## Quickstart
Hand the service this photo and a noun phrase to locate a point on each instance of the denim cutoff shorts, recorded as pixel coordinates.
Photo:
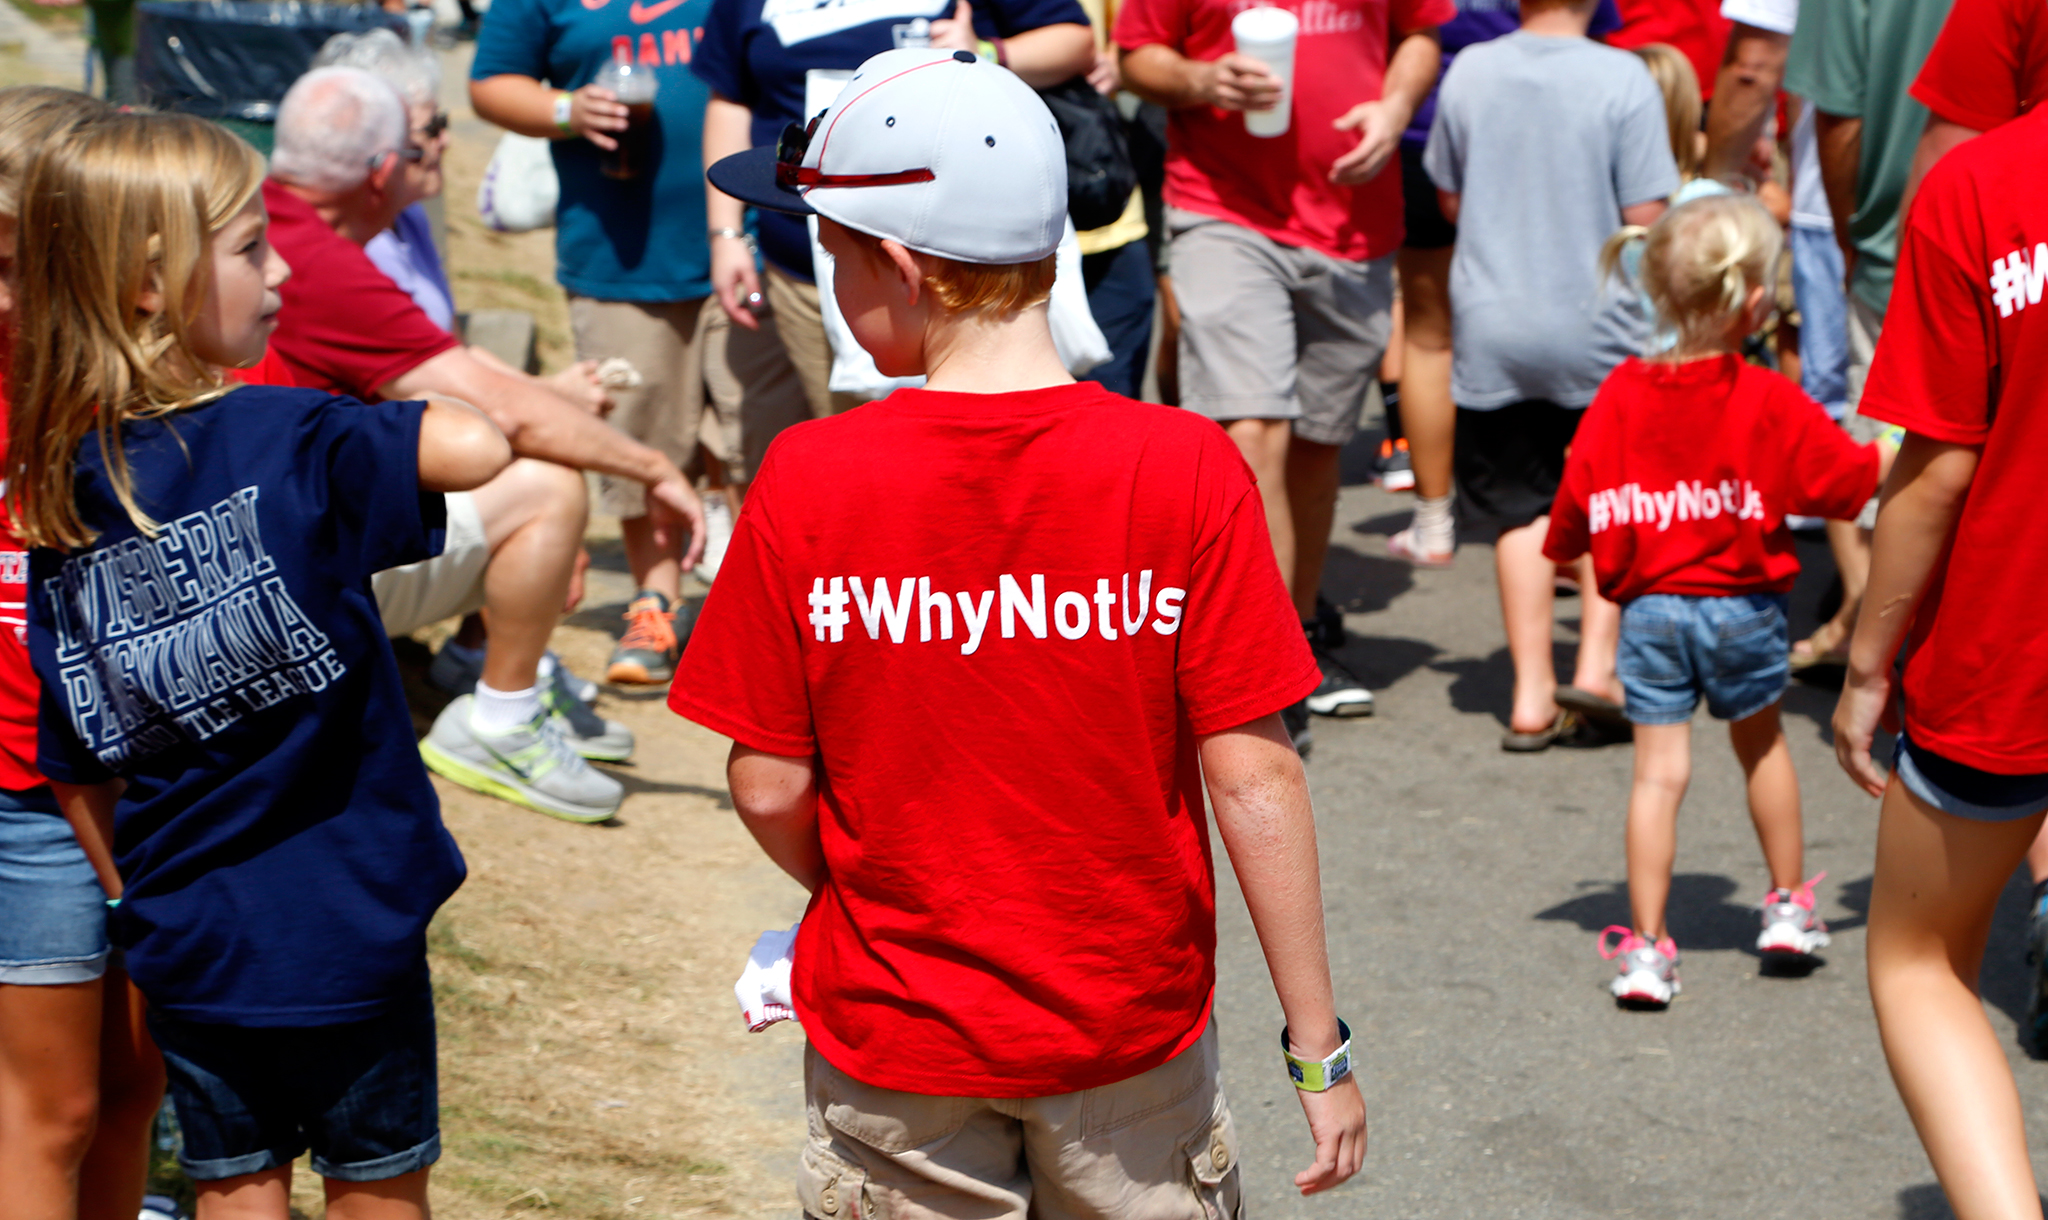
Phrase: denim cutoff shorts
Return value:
(1965, 792)
(1675, 648)
(363, 1096)
(54, 929)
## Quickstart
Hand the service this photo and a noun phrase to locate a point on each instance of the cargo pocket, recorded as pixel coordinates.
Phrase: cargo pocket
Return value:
(1212, 1162)
(830, 1189)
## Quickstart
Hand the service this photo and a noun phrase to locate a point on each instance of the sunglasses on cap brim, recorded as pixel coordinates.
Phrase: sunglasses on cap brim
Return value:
(791, 173)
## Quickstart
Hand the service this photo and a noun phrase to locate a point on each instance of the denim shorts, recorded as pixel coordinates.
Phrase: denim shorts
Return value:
(55, 927)
(364, 1096)
(1675, 648)
(1966, 792)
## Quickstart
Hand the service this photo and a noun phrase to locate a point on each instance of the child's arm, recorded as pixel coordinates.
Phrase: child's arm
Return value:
(1260, 794)
(1922, 499)
(460, 448)
(777, 799)
(90, 810)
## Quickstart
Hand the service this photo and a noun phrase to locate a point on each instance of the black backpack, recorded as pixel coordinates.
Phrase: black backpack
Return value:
(1100, 177)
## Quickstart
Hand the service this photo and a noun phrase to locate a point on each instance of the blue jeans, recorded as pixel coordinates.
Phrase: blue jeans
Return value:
(1121, 289)
(1676, 648)
(1966, 792)
(53, 914)
(363, 1096)
(1823, 318)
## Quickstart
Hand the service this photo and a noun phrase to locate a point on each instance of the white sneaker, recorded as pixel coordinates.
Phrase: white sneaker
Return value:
(717, 534)
(1648, 972)
(531, 765)
(1791, 929)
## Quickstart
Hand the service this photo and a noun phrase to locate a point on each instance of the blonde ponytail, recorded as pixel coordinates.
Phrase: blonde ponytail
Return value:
(1700, 261)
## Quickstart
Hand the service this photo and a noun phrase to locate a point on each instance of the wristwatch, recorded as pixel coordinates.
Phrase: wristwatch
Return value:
(563, 101)
(1318, 1075)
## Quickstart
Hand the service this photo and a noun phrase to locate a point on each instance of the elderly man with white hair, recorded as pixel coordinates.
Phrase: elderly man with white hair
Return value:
(347, 162)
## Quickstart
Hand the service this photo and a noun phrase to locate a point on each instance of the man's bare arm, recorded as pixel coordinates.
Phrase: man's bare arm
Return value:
(1936, 140)
(1165, 77)
(1260, 796)
(1840, 142)
(540, 424)
(1745, 94)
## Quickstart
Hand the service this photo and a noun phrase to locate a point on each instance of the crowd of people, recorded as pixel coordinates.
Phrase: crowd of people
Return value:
(1643, 287)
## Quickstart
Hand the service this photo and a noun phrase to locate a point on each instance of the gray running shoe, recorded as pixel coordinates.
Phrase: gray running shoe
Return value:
(587, 733)
(1791, 929)
(532, 766)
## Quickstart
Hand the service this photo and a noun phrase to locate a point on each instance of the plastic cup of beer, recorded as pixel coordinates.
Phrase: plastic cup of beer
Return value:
(1267, 34)
(634, 86)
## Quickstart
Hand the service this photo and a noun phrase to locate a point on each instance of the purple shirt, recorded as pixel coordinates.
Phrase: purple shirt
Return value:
(1483, 21)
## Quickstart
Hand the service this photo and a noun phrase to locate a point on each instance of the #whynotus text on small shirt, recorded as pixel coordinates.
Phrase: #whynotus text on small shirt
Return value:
(1109, 611)
(179, 636)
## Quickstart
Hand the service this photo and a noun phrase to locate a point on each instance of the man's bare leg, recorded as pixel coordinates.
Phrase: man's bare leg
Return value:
(1265, 444)
(534, 514)
(1312, 478)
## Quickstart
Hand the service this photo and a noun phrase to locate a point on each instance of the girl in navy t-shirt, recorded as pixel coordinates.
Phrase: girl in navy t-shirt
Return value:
(219, 699)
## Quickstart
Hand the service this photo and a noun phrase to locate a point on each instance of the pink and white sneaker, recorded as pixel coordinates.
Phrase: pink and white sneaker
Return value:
(1791, 929)
(1648, 970)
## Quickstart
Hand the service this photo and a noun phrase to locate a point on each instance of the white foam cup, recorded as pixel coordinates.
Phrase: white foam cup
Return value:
(1267, 34)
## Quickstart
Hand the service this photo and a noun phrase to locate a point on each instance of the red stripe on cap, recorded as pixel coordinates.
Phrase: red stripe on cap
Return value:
(841, 110)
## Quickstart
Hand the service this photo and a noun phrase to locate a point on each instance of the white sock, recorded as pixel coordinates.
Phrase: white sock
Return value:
(499, 711)
(1436, 531)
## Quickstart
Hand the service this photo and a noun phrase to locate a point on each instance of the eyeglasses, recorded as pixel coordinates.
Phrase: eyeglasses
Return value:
(408, 153)
(436, 125)
(791, 173)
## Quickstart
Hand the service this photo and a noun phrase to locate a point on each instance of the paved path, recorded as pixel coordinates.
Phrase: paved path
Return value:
(1465, 887)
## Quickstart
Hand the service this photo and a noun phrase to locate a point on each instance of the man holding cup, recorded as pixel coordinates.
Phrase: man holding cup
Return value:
(1284, 204)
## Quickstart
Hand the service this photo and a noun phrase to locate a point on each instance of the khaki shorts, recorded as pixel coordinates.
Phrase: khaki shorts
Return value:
(1864, 325)
(448, 585)
(754, 390)
(1277, 332)
(664, 341)
(802, 325)
(1159, 1146)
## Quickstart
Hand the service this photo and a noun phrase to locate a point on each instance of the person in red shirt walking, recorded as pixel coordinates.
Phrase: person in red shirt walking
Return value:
(1283, 250)
(1678, 484)
(1955, 578)
(977, 729)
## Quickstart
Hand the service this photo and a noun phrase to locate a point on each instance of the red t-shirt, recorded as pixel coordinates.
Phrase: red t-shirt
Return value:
(1695, 27)
(1281, 186)
(1964, 359)
(1680, 477)
(19, 690)
(345, 326)
(1988, 66)
(1019, 898)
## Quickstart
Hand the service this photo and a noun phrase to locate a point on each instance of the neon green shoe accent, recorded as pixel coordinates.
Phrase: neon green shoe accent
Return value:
(455, 770)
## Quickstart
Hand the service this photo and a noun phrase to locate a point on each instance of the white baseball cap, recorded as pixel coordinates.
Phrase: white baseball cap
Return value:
(939, 150)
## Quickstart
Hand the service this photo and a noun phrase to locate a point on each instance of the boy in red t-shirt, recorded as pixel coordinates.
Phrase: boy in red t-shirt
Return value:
(977, 727)
(1678, 483)
(1955, 585)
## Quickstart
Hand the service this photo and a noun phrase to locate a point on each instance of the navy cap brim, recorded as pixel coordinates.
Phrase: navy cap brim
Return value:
(750, 177)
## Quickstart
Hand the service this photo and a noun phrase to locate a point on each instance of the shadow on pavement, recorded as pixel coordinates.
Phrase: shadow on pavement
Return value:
(1700, 913)
(1364, 584)
(1926, 1202)
(1380, 660)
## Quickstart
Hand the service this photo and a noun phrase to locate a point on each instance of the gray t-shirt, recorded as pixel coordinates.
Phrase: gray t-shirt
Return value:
(1544, 140)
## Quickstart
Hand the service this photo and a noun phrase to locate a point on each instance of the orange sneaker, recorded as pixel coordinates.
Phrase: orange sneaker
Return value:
(646, 654)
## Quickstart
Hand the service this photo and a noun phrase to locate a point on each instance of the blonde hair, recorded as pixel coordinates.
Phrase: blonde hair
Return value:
(29, 115)
(1700, 261)
(958, 287)
(118, 205)
(1680, 86)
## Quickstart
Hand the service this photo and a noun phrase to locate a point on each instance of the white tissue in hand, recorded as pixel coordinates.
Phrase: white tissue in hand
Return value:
(763, 989)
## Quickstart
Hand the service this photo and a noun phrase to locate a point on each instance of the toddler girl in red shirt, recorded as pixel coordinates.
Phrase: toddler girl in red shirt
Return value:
(1678, 484)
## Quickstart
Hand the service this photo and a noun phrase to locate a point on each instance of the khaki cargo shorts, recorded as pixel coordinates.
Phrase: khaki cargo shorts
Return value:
(1159, 1146)
(1277, 332)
